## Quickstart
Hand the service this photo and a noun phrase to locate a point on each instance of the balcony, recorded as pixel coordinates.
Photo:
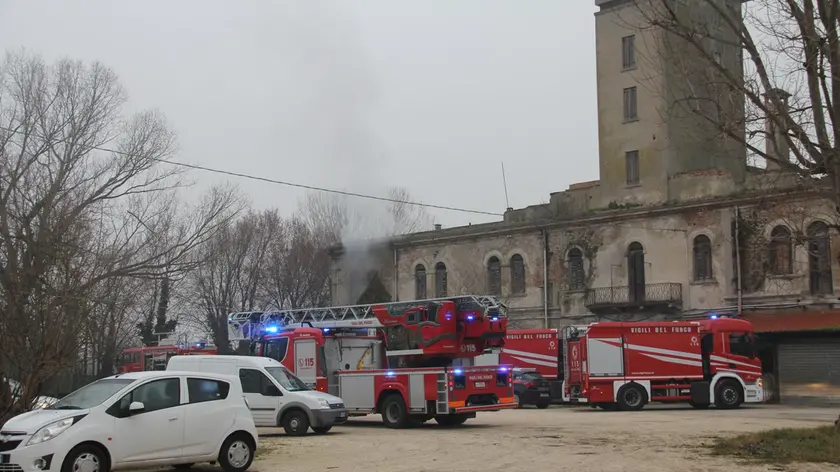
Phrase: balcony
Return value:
(663, 298)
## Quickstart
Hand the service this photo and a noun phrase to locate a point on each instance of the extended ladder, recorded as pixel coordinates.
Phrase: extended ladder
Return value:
(252, 324)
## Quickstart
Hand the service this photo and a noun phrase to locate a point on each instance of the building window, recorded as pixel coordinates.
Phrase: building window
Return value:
(494, 276)
(702, 258)
(420, 282)
(577, 277)
(631, 161)
(630, 112)
(517, 274)
(780, 251)
(440, 280)
(819, 259)
(628, 52)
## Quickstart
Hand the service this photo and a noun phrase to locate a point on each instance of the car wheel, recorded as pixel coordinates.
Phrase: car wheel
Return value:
(516, 400)
(237, 453)
(321, 429)
(394, 414)
(631, 397)
(542, 406)
(295, 423)
(728, 395)
(86, 458)
(183, 466)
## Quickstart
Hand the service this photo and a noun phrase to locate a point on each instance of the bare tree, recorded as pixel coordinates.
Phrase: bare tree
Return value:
(229, 272)
(764, 74)
(73, 214)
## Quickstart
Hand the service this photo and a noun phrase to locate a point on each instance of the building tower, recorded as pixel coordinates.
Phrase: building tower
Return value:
(660, 109)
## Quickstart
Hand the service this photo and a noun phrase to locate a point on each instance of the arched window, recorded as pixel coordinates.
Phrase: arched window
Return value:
(517, 274)
(636, 272)
(440, 280)
(819, 259)
(494, 276)
(577, 276)
(780, 252)
(702, 258)
(420, 282)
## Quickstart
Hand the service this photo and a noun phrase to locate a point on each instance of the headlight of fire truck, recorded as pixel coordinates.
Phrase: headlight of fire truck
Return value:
(759, 383)
(323, 403)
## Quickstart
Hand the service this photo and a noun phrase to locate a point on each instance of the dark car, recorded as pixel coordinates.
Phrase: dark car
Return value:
(531, 388)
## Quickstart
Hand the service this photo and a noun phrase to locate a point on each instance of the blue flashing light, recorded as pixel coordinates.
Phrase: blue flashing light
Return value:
(271, 329)
(326, 330)
(447, 316)
(470, 317)
(495, 318)
(458, 372)
(390, 373)
(503, 369)
(713, 316)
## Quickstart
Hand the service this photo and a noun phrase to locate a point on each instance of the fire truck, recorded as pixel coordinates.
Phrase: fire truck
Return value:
(408, 361)
(139, 359)
(532, 350)
(624, 366)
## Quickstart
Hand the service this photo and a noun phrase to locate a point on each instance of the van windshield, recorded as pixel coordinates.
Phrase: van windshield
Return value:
(287, 379)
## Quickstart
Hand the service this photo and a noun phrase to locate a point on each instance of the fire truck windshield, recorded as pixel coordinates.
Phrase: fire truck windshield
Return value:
(91, 395)
(287, 379)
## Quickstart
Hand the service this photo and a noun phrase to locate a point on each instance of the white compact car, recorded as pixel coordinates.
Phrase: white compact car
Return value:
(276, 397)
(42, 401)
(135, 420)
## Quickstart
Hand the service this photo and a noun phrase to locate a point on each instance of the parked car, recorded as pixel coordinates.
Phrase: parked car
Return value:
(277, 398)
(531, 388)
(42, 401)
(136, 420)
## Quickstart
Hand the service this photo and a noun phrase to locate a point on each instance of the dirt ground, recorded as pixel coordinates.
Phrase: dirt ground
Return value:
(557, 439)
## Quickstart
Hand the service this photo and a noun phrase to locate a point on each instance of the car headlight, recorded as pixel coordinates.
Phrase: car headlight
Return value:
(323, 403)
(52, 430)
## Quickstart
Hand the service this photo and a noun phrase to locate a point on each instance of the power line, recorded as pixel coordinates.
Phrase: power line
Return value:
(281, 182)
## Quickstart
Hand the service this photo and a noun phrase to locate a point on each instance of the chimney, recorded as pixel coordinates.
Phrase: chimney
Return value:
(774, 140)
(438, 226)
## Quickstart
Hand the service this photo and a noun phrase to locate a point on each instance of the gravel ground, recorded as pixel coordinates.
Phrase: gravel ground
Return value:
(557, 439)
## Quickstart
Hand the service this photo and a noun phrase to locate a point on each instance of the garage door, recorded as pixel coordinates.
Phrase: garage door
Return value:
(809, 371)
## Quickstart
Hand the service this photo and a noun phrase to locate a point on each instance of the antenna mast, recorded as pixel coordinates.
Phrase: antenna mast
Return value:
(504, 182)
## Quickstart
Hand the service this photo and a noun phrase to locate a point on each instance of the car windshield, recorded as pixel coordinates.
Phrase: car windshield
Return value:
(287, 379)
(531, 376)
(91, 395)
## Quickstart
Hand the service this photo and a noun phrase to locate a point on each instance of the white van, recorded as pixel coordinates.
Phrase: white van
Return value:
(275, 396)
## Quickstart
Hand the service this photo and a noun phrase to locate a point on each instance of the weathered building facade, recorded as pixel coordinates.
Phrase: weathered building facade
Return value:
(677, 226)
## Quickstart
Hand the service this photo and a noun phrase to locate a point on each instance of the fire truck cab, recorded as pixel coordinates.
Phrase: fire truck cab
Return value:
(408, 361)
(624, 366)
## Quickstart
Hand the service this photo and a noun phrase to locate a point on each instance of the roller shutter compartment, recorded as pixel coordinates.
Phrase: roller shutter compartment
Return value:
(809, 371)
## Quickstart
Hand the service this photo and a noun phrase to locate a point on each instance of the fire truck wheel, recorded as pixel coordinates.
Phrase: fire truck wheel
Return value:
(321, 429)
(631, 397)
(295, 423)
(542, 406)
(394, 413)
(450, 420)
(728, 395)
(516, 400)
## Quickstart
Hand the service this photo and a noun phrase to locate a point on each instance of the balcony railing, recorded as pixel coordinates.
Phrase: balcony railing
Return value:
(663, 296)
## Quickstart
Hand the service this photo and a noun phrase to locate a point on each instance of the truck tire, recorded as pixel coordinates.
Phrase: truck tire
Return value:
(295, 423)
(542, 406)
(450, 420)
(394, 412)
(728, 395)
(631, 397)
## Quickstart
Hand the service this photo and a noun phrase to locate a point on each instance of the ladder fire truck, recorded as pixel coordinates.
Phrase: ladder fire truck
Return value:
(408, 361)
(614, 365)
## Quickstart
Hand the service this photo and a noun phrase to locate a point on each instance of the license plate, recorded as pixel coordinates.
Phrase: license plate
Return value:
(4, 458)
(480, 385)
(543, 395)
(342, 414)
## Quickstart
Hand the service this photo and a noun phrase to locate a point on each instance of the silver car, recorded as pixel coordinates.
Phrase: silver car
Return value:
(41, 401)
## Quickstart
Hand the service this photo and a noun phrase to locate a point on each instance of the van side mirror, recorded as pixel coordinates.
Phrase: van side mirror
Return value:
(136, 407)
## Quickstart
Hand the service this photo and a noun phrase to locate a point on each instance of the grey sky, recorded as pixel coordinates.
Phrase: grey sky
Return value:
(358, 94)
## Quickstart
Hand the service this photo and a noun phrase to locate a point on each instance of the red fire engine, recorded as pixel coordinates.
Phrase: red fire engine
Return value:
(627, 365)
(534, 350)
(139, 359)
(409, 361)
